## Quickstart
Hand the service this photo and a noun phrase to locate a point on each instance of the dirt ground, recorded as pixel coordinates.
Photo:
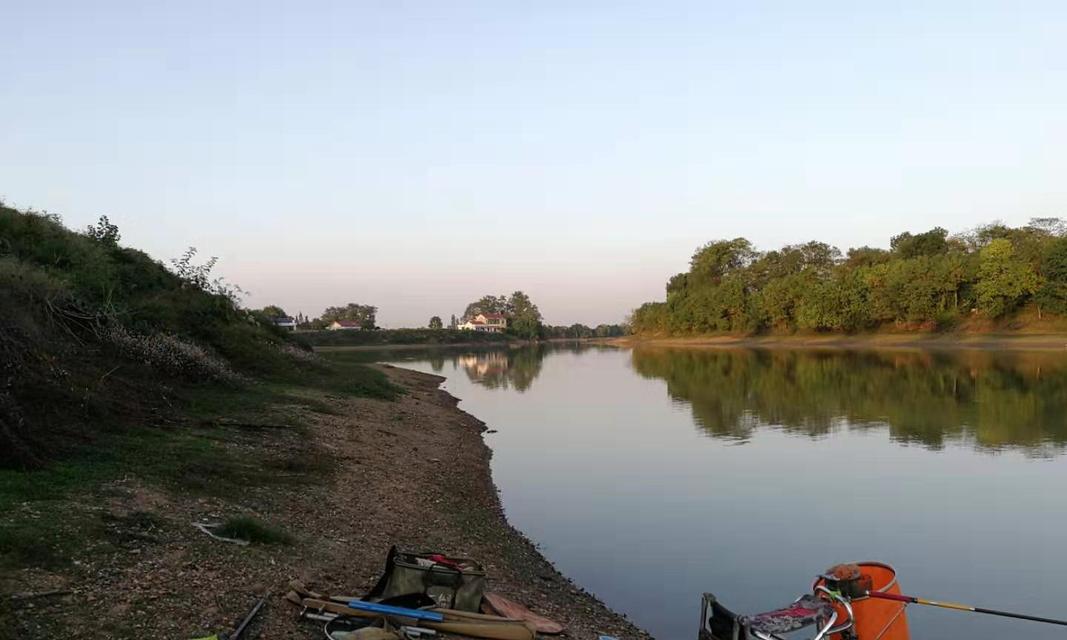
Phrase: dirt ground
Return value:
(412, 472)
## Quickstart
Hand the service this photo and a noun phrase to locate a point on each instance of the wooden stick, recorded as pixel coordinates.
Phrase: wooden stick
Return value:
(19, 597)
(499, 629)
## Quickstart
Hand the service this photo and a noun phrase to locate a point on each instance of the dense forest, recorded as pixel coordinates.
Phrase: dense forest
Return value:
(925, 281)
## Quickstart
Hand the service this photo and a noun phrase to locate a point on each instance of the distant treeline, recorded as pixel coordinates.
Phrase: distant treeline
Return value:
(400, 336)
(449, 336)
(582, 331)
(927, 281)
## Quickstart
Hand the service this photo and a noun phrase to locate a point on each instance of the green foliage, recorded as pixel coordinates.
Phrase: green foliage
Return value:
(581, 331)
(486, 304)
(931, 243)
(525, 317)
(364, 314)
(273, 311)
(835, 305)
(104, 232)
(1003, 281)
(1053, 292)
(92, 333)
(714, 260)
(650, 318)
(927, 280)
(356, 379)
(436, 323)
(198, 276)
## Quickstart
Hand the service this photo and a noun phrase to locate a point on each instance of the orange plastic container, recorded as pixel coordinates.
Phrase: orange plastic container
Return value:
(875, 619)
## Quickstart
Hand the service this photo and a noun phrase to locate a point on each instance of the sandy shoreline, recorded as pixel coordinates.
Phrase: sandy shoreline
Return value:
(413, 472)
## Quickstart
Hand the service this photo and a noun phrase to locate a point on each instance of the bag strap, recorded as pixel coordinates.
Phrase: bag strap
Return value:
(378, 589)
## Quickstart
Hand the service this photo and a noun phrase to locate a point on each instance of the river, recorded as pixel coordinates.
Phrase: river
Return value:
(650, 476)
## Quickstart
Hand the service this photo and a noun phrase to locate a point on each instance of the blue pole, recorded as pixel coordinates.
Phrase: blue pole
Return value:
(389, 610)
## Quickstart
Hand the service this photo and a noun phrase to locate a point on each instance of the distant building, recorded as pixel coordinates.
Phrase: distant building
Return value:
(486, 323)
(285, 322)
(344, 325)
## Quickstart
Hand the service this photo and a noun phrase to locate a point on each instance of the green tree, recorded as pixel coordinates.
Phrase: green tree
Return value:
(1052, 295)
(364, 314)
(579, 331)
(818, 257)
(866, 257)
(840, 304)
(931, 243)
(651, 317)
(435, 323)
(273, 311)
(716, 259)
(486, 304)
(525, 327)
(609, 330)
(780, 298)
(104, 232)
(525, 317)
(1003, 282)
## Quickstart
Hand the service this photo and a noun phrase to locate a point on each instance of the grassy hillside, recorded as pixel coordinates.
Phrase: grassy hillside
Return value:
(97, 339)
(117, 371)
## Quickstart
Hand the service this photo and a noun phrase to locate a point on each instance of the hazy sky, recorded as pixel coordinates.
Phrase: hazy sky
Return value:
(415, 155)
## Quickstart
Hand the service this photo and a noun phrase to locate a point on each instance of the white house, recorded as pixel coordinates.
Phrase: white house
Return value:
(344, 325)
(285, 322)
(485, 322)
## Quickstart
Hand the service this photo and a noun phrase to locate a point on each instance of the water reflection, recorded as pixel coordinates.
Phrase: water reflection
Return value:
(992, 400)
(514, 369)
(895, 455)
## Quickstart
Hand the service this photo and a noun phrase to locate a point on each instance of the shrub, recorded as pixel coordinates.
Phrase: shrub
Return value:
(172, 355)
(946, 321)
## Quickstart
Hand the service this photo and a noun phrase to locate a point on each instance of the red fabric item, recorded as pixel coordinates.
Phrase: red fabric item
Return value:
(440, 559)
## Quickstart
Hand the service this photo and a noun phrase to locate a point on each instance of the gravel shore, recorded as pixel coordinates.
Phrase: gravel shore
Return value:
(413, 472)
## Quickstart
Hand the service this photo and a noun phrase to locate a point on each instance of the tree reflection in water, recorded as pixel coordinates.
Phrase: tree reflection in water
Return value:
(993, 400)
(514, 368)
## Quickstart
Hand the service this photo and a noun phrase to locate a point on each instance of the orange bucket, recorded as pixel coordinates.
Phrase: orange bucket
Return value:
(873, 619)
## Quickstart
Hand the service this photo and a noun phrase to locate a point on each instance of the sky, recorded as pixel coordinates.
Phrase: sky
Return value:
(417, 155)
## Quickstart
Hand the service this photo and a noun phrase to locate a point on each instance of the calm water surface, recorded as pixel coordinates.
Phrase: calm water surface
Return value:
(651, 476)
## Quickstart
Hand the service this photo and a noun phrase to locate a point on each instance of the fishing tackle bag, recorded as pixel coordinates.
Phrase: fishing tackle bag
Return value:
(452, 583)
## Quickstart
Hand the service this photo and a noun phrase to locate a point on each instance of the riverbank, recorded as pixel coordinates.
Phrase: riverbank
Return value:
(389, 338)
(989, 342)
(418, 347)
(371, 472)
(502, 344)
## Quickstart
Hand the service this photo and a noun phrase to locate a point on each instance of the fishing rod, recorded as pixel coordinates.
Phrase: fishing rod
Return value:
(962, 607)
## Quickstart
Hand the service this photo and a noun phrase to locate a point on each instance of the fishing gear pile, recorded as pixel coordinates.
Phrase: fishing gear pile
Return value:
(419, 595)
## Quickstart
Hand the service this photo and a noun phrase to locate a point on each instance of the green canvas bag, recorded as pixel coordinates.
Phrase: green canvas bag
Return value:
(452, 583)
